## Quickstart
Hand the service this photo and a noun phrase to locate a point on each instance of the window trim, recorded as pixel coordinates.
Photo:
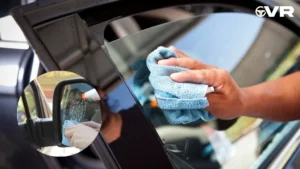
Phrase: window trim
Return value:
(38, 104)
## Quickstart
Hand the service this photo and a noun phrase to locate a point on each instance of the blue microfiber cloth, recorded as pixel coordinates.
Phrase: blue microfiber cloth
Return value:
(65, 141)
(182, 103)
(140, 78)
(142, 72)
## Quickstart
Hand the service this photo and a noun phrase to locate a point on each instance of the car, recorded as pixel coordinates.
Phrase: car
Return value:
(107, 42)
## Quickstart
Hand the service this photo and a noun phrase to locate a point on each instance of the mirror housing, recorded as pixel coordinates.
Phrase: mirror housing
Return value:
(71, 103)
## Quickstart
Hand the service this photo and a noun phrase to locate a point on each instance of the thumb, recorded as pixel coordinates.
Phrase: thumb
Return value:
(211, 77)
(69, 133)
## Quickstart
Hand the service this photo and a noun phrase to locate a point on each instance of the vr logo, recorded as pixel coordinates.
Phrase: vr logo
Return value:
(261, 11)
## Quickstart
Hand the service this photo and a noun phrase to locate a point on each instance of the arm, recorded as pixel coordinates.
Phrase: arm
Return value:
(277, 100)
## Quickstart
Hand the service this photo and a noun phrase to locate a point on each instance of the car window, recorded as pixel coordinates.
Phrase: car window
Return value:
(129, 135)
(252, 49)
(30, 100)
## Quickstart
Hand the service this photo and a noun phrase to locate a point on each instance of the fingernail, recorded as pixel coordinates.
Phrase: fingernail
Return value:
(172, 47)
(162, 62)
(174, 75)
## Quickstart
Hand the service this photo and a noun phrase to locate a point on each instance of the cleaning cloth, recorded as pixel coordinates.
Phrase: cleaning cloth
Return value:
(65, 141)
(182, 103)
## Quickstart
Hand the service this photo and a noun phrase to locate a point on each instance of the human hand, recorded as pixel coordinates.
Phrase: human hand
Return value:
(80, 135)
(228, 99)
(93, 125)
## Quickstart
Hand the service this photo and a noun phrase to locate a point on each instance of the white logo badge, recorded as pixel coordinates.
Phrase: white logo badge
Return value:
(261, 11)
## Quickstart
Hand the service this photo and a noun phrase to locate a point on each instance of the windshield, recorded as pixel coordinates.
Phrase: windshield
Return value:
(252, 49)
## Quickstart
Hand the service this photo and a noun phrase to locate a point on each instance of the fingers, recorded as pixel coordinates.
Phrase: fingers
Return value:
(73, 139)
(82, 139)
(71, 127)
(185, 62)
(79, 142)
(69, 133)
(93, 125)
(169, 62)
(211, 77)
(213, 99)
(70, 130)
(81, 136)
(179, 52)
(89, 123)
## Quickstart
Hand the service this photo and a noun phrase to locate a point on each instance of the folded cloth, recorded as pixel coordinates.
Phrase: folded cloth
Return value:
(182, 103)
(142, 72)
(140, 79)
(65, 141)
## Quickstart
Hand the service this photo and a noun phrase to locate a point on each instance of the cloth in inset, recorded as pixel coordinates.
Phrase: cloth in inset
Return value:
(65, 141)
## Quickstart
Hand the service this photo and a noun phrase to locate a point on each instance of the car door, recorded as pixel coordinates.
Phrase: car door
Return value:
(15, 68)
(70, 35)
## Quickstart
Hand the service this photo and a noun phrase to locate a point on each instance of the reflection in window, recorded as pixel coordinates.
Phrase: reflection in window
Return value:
(212, 41)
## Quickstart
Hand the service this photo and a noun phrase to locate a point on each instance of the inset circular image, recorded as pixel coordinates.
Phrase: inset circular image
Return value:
(59, 113)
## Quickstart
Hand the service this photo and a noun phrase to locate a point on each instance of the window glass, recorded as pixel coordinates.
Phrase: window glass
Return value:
(126, 129)
(21, 116)
(252, 49)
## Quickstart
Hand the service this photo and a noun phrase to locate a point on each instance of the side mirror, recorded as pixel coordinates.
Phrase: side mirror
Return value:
(74, 101)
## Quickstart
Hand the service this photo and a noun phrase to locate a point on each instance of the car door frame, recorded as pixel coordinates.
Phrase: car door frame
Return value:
(94, 12)
(12, 143)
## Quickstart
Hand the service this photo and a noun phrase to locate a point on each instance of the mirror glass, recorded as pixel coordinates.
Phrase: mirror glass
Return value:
(80, 103)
